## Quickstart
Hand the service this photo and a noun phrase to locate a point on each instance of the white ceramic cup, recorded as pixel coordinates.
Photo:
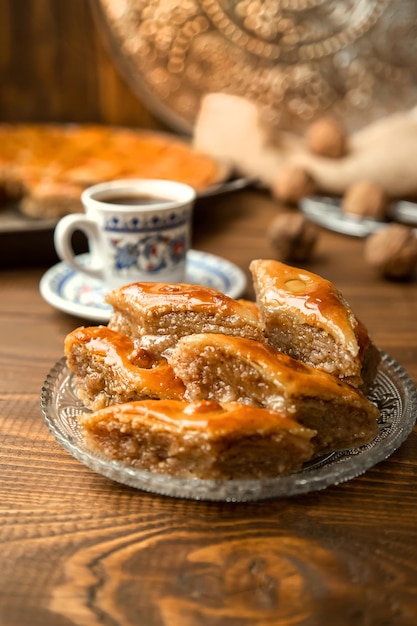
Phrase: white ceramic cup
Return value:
(137, 230)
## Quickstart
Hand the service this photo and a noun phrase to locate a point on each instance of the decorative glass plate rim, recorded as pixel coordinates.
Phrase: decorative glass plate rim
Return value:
(398, 416)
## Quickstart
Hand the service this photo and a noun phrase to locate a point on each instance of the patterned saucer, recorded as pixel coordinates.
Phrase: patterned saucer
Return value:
(79, 295)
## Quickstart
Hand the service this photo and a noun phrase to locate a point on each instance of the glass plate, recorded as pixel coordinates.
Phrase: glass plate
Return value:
(393, 392)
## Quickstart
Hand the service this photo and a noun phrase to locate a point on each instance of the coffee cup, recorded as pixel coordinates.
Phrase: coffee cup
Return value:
(137, 230)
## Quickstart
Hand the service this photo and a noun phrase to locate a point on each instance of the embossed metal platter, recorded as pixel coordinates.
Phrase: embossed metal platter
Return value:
(393, 392)
(297, 59)
(83, 296)
(13, 221)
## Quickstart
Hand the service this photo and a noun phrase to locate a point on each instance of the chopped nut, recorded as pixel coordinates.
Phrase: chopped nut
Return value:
(292, 236)
(327, 137)
(365, 199)
(292, 184)
(392, 251)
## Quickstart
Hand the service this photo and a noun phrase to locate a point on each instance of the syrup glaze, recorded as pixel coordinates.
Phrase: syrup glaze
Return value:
(314, 298)
(166, 297)
(212, 418)
(291, 377)
(120, 354)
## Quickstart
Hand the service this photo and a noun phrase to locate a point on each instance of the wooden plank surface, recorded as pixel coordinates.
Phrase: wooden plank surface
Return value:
(79, 550)
(76, 548)
(55, 66)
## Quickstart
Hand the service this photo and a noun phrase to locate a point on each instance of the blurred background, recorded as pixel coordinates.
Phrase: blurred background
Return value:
(148, 63)
(55, 66)
(63, 60)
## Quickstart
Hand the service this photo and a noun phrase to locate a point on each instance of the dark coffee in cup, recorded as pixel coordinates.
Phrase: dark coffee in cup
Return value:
(133, 199)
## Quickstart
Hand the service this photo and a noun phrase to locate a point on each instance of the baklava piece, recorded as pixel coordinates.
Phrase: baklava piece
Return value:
(306, 317)
(232, 369)
(109, 369)
(200, 440)
(158, 314)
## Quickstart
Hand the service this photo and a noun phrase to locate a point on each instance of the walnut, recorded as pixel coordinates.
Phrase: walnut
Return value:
(292, 184)
(365, 199)
(292, 236)
(392, 251)
(327, 137)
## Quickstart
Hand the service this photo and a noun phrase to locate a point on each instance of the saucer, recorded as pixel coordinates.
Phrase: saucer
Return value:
(82, 296)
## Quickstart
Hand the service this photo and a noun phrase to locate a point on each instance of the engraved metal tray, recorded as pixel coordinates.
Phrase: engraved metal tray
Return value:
(393, 392)
(296, 59)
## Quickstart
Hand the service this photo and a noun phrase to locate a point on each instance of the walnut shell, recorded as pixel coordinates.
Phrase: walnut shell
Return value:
(392, 251)
(365, 199)
(292, 184)
(292, 236)
(327, 137)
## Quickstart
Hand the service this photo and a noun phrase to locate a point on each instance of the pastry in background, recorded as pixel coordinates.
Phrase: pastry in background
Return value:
(45, 167)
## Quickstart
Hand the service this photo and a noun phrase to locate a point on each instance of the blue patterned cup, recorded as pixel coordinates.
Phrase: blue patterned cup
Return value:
(137, 230)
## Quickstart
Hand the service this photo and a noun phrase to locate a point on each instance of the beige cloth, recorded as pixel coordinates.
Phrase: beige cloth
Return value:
(385, 152)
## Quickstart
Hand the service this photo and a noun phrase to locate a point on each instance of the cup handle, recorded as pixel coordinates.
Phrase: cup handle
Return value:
(64, 230)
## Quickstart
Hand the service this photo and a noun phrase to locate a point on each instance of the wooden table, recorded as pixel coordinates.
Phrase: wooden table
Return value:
(78, 549)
